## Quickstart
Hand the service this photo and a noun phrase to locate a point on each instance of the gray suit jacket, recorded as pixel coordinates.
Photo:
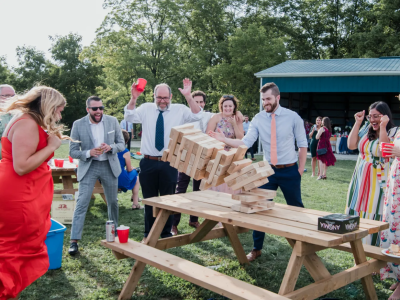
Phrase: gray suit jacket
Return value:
(112, 136)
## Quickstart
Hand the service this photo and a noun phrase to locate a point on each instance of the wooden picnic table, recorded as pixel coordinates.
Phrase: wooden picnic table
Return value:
(67, 176)
(297, 225)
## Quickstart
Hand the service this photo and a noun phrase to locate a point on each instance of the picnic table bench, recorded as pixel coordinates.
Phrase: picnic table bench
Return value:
(297, 225)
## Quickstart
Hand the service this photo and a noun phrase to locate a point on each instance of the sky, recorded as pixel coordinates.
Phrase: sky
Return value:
(31, 22)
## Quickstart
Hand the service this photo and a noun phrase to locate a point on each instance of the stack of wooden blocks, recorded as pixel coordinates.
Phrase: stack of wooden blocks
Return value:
(202, 157)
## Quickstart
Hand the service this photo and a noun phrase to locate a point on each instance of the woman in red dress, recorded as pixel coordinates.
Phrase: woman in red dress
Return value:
(26, 187)
(327, 159)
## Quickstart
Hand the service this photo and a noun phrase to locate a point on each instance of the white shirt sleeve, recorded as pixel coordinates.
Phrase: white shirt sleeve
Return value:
(189, 116)
(134, 115)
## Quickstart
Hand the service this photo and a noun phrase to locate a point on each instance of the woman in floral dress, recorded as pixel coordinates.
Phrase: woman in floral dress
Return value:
(368, 184)
(391, 214)
(225, 122)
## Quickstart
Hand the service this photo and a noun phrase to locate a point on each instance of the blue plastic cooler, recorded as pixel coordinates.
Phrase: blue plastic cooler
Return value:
(54, 242)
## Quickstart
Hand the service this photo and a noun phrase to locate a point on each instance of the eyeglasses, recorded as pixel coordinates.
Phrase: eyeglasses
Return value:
(7, 96)
(228, 96)
(162, 98)
(96, 108)
(369, 117)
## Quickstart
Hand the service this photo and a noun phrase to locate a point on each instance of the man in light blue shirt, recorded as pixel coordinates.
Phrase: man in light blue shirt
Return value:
(289, 128)
(128, 126)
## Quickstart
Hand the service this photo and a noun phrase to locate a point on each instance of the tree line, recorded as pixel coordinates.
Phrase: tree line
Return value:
(219, 44)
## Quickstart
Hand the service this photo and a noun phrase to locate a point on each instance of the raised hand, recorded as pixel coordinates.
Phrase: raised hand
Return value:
(359, 116)
(187, 88)
(134, 92)
(384, 121)
(217, 135)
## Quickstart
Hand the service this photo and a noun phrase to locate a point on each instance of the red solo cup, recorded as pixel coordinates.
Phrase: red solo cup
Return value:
(57, 163)
(123, 233)
(61, 163)
(385, 153)
(141, 84)
(71, 160)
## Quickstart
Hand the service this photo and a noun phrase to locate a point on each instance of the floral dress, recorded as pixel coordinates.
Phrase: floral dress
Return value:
(391, 214)
(368, 184)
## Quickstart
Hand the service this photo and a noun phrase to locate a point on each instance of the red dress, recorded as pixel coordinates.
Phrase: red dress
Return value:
(324, 142)
(25, 203)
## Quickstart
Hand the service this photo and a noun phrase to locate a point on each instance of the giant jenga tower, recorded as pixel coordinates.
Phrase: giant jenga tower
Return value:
(202, 157)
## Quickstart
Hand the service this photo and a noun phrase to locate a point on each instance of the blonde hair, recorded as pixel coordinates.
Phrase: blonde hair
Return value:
(40, 103)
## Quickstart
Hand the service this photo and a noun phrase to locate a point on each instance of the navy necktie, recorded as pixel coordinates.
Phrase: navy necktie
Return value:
(160, 132)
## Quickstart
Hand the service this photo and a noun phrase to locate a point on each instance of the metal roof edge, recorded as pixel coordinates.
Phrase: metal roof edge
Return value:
(328, 74)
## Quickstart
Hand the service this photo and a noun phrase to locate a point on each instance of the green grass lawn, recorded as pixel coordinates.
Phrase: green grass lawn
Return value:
(96, 274)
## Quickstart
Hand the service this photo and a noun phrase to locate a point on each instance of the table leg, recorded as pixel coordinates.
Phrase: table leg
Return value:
(236, 244)
(138, 267)
(292, 273)
(313, 264)
(67, 182)
(202, 231)
(360, 257)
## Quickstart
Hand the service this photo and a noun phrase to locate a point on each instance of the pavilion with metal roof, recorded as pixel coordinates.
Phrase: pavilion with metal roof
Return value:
(337, 88)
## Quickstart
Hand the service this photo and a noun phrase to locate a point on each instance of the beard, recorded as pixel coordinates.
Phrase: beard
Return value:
(162, 109)
(94, 118)
(270, 107)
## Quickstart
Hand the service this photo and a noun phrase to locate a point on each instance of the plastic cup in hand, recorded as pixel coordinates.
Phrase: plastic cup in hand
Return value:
(123, 233)
(385, 153)
(141, 84)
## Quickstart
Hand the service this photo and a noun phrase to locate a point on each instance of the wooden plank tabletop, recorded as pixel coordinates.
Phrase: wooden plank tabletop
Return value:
(283, 220)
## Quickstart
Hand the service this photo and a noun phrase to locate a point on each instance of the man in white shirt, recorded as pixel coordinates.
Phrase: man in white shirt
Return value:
(128, 126)
(158, 178)
(100, 139)
(246, 125)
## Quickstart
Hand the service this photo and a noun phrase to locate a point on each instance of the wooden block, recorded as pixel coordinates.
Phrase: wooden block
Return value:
(248, 180)
(188, 155)
(187, 132)
(187, 139)
(215, 166)
(241, 172)
(199, 174)
(203, 162)
(165, 155)
(180, 166)
(192, 158)
(248, 198)
(210, 165)
(202, 142)
(176, 149)
(269, 194)
(264, 163)
(216, 150)
(173, 140)
(217, 180)
(172, 163)
(170, 144)
(188, 170)
(183, 155)
(204, 185)
(255, 184)
(238, 165)
(249, 209)
(221, 170)
(196, 161)
(227, 157)
(240, 153)
(184, 126)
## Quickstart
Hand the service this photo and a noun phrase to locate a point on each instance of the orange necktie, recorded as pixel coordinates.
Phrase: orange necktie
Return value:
(274, 153)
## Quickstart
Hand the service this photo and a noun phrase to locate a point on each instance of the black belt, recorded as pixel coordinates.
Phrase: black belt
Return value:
(283, 166)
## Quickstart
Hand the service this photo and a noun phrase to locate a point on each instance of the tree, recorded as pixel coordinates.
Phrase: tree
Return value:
(5, 72)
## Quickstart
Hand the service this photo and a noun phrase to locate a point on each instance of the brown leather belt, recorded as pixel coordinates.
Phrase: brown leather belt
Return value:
(153, 157)
(283, 166)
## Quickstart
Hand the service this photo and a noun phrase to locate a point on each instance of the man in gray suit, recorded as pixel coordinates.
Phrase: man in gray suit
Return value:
(99, 140)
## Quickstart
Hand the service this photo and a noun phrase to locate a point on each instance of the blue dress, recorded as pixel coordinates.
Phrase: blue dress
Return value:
(126, 181)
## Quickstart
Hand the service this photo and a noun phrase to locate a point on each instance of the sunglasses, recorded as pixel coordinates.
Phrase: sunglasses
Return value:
(96, 108)
(228, 96)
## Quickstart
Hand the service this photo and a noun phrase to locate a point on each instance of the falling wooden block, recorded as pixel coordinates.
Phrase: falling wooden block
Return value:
(165, 155)
(210, 165)
(238, 165)
(180, 166)
(199, 174)
(248, 180)
(221, 170)
(240, 153)
(183, 155)
(176, 149)
(269, 194)
(184, 132)
(255, 184)
(227, 157)
(203, 163)
(172, 163)
(216, 149)
(204, 185)
(241, 172)
(215, 166)
(217, 180)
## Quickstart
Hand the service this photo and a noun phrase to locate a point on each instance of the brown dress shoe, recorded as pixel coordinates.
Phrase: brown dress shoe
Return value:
(253, 255)
(174, 230)
(194, 224)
